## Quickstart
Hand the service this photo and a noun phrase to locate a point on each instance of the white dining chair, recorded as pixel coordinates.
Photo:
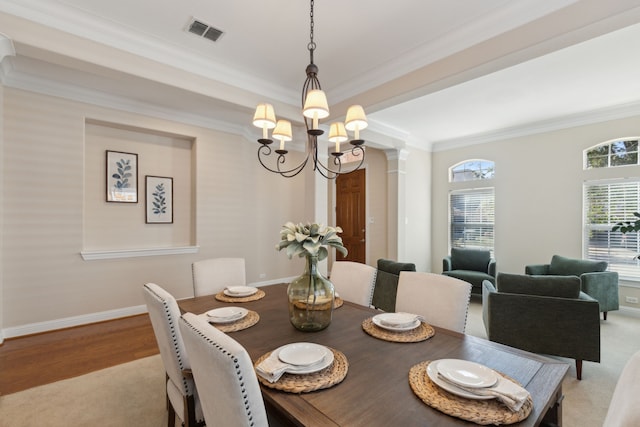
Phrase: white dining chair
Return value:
(182, 396)
(224, 374)
(353, 281)
(443, 301)
(211, 276)
(623, 409)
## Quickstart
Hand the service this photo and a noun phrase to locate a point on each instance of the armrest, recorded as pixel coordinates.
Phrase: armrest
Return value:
(446, 263)
(563, 327)
(602, 286)
(537, 269)
(492, 268)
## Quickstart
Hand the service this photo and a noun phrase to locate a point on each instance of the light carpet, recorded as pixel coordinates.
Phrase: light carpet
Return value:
(130, 394)
(133, 394)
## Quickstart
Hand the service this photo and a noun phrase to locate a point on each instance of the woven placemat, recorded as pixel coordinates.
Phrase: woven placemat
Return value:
(246, 322)
(483, 412)
(299, 383)
(220, 296)
(421, 333)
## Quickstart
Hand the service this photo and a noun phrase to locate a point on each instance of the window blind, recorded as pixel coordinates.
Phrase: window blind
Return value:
(472, 218)
(606, 204)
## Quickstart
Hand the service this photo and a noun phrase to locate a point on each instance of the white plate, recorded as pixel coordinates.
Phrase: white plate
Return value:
(385, 321)
(226, 314)
(239, 291)
(302, 353)
(467, 374)
(323, 363)
(432, 372)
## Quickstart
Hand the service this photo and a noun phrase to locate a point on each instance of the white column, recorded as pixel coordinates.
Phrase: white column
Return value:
(396, 204)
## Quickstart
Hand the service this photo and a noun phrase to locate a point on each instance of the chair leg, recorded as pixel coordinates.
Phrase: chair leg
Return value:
(171, 414)
(604, 314)
(190, 411)
(579, 369)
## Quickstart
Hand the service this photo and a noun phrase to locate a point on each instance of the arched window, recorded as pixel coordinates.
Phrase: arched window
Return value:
(617, 152)
(471, 210)
(471, 170)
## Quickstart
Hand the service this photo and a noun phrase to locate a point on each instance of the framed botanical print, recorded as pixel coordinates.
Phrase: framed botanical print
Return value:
(159, 199)
(122, 177)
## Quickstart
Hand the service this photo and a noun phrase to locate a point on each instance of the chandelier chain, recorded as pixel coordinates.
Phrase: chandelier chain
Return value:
(312, 45)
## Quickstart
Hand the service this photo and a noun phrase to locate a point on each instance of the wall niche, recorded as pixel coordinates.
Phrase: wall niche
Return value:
(119, 229)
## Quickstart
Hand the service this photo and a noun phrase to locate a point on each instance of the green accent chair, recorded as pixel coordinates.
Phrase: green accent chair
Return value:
(386, 284)
(471, 265)
(543, 314)
(595, 281)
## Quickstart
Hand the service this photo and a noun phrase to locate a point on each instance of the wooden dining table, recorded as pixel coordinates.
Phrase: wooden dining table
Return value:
(376, 389)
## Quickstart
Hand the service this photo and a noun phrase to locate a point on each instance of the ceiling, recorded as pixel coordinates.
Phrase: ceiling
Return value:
(430, 73)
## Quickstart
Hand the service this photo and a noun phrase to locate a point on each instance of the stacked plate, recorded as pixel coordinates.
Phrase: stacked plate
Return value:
(304, 357)
(397, 322)
(447, 373)
(239, 291)
(226, 314)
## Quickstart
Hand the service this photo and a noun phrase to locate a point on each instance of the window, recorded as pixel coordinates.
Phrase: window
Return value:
(607, 203)
(472, 214)
(619, 152)
(471, 170)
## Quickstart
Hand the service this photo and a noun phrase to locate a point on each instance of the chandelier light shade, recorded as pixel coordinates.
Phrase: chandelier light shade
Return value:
(314, 108)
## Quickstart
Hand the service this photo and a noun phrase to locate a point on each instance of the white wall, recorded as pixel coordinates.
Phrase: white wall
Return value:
(538, 189)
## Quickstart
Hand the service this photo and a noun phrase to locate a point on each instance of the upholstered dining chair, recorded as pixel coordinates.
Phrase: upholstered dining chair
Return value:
(442, 300)
(623, 409)
(182, 397)
(353, 281)
(224, 374)
(211, 276)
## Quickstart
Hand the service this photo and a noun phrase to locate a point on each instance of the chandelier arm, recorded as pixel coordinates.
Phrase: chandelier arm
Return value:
(265, 150)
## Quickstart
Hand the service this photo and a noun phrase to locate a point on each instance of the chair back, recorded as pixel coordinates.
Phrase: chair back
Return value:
(164, 314)
(442, 300)
(353, 281)
(211, 276)
(624, 410)
(224, 374)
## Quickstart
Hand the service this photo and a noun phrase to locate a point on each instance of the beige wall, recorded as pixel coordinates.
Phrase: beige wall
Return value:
(238, 206)
(538, 189)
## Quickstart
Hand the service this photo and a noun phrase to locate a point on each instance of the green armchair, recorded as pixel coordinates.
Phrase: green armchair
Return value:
(386, 284)
(471, 265)
(543, 314)
(594, 280)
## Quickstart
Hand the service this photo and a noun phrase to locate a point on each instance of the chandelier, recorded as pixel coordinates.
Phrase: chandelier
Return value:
(314, 108)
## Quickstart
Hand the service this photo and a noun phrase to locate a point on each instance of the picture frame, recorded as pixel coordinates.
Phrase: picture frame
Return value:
(159, 199)
(122, 177)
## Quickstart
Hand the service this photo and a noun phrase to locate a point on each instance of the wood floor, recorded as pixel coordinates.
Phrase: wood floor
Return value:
(34, 360)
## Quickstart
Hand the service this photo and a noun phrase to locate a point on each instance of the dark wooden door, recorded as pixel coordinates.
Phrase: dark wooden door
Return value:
(350, 214)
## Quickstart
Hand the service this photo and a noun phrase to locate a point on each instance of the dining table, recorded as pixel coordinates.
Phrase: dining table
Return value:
(376, 390)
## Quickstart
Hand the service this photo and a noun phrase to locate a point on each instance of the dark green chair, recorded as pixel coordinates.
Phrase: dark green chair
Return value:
(386, 284)
(543, 314)
(471, 265)
(595, 281)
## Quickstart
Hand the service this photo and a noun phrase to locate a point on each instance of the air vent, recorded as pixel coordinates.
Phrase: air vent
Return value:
(201, 29)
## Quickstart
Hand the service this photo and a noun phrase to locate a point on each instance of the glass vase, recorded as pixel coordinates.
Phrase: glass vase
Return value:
(310, 299)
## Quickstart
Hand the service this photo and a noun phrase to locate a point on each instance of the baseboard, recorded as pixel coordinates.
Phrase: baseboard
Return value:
(51, 325)
(35, 328)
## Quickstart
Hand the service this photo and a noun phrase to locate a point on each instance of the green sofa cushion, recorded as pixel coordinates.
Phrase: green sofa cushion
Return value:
(470, 259)
(562, 266)
(550, 286)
